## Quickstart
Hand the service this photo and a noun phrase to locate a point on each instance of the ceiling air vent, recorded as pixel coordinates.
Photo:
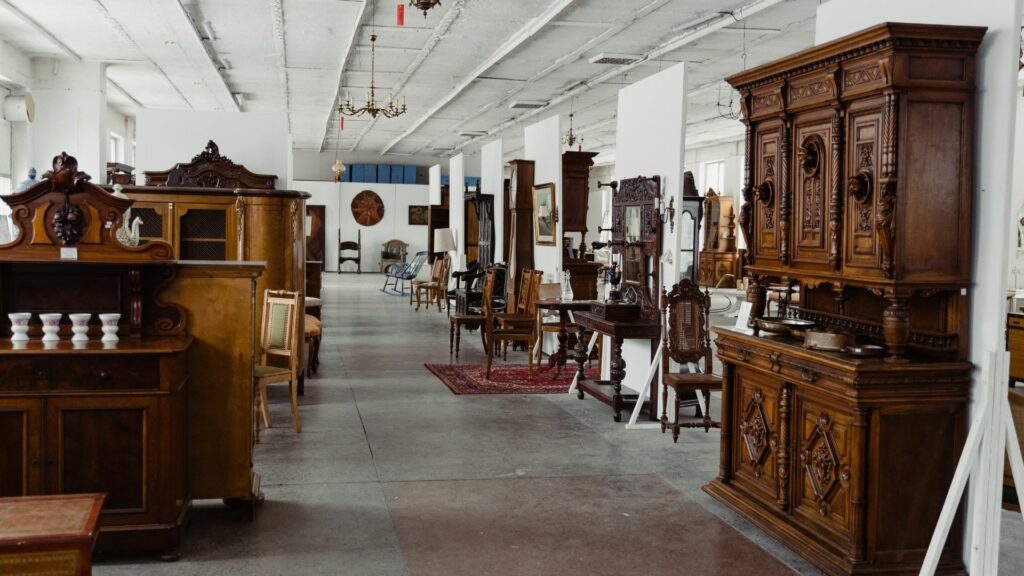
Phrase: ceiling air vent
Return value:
(528, 104)
(616, 59)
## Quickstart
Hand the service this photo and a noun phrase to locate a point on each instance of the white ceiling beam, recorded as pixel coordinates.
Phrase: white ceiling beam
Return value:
(435, 38)
(703, 29)
(523, 35)
(117, 87)
(42, 31)
(349, 49)
(558, 64)
(198, 36)
(280, 47)
(120, 31)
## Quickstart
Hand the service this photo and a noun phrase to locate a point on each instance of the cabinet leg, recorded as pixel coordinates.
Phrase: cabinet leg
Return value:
(171, 555)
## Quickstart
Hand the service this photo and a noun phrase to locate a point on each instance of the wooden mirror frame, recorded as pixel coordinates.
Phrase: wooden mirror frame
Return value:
(641, 282)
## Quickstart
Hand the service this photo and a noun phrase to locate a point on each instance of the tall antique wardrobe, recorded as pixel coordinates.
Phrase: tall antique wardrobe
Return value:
(859, 188)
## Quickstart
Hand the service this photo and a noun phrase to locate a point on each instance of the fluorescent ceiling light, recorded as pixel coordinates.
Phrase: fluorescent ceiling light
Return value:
(473, 133)
(528, 104)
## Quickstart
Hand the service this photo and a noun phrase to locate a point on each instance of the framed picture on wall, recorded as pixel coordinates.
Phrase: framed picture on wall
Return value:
(545, 215)
(418, 215)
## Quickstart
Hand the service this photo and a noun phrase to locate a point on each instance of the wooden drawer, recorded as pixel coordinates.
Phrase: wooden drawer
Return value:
(19, 375)
(100, 373)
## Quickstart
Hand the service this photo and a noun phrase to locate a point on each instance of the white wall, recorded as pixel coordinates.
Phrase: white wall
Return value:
(457, 208)
(1016, 256)
(654, 105)
(542, 144)
(994, 139)
(435, 185)
(71, 109)
(259, 140)
(337, 197)
(492, 181)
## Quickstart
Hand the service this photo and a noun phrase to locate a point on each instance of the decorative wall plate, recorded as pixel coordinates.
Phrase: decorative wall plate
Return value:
(367, 208)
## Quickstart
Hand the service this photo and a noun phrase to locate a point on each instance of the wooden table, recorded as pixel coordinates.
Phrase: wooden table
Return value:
(563, 307)
(51, 535)
(618, 332)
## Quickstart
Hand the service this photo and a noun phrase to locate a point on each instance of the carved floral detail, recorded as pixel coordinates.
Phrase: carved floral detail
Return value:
(754, 430)
(68, 222)
(821, 462)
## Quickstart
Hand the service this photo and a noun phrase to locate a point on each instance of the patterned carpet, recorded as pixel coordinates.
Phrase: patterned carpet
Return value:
(505, 378)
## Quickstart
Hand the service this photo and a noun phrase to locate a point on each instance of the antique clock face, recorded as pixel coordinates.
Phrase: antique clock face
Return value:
(367, 208)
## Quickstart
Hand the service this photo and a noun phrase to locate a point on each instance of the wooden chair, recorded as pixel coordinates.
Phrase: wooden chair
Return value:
(549, 324)
(393, 252)
(525, 312)
(279, 337)
(458, 321)
(350, 246)
(496, 331)
(436, 288)
(686, 340)
(314, 331)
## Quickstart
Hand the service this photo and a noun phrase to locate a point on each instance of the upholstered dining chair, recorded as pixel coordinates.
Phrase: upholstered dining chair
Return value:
(280, 337)
(686, 340)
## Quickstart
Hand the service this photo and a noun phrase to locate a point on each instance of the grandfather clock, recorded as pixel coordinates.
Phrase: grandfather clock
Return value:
(519, 201)
(690, 215)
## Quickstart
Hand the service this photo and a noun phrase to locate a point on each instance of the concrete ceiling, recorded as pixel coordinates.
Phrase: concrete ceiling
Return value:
(458, 68)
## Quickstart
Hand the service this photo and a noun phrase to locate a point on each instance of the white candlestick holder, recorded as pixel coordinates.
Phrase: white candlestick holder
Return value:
(80, 327)
(51, 326)
(19, 326)
(110, 326)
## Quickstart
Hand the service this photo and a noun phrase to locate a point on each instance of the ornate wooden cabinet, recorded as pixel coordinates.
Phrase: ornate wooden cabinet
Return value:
(519, 245)
(859, 189)
(718, 257)
(94, 416)
(479, 227)
(575, 205)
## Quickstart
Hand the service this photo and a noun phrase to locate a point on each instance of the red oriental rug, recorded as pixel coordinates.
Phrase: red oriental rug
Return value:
(505, 378)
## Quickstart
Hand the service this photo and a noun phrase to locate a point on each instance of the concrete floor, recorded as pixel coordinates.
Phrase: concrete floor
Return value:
(393, 474)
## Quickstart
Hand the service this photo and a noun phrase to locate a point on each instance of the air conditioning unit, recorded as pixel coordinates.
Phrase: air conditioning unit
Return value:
(20, 108)
(616, 59)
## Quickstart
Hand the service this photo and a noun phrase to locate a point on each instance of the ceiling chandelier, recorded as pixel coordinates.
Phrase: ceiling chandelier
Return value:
(390, 108)
(424, 5)
(570, 138)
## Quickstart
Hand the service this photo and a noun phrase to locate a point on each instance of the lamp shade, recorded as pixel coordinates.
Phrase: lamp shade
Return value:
(444, 241)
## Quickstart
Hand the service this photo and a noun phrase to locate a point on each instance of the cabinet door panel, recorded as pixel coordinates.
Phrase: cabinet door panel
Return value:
(156, 220)
(766, 179)
(205, 231)
(812, 187)
(107, 445)
(19, 447)
(824, 446)
(862, 159)
(756, 412)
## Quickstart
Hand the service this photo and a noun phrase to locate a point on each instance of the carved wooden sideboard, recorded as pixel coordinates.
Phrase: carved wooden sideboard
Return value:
(858, 188)
(718, 257)
(94, 417)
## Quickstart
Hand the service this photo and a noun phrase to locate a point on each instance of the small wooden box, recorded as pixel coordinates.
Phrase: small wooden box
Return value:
(51, 535)
(616, 312)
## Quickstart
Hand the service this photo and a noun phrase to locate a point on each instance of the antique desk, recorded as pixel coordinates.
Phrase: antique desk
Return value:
(617, 332)
(563, 307)
(51, 535)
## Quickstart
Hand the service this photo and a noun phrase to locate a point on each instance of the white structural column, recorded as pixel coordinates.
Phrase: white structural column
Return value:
(492, 181)
(650, 141)
(71, 114)
(993, 155)
(542, 144)
(457, 207)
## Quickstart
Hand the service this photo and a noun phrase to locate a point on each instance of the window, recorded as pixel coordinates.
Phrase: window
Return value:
(116, 148)
(713, 176)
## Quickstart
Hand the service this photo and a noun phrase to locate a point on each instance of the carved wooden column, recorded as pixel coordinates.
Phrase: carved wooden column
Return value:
(757, 296)
(581, 359)
(746, 209)
(896, 325)
(886, 224)
(783, 191)
(835, 210)
(857, 485)
(725, 449)
(617, 374)
(782, 447)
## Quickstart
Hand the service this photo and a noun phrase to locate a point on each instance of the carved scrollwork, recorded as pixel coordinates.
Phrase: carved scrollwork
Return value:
(821, 462)
(809, 155)
(755, 433)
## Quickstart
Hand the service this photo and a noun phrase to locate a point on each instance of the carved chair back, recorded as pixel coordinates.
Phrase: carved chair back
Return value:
(280, 334)
(687, 336)
(531, 305)
(487, 297)
(394, 250)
